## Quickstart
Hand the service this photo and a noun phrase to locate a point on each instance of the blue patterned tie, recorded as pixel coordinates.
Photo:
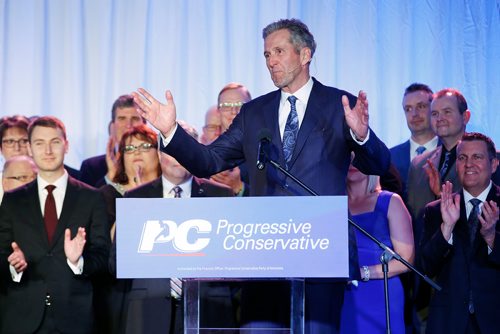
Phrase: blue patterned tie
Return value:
(444, 167)
(420, 150)
(291, 131)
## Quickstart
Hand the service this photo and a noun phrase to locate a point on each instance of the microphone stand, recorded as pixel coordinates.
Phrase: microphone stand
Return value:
(386, 256)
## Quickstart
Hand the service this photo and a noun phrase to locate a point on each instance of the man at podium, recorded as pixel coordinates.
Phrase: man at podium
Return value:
(313, 130)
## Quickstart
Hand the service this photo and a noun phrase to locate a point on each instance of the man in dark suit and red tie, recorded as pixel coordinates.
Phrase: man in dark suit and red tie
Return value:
(52, 241)
(460, 244)
(314, 129)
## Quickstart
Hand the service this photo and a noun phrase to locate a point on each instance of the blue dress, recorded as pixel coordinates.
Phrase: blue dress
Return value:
(364, 305)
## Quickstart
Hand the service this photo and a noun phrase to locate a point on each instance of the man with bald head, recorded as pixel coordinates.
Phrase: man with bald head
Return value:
(17, 171)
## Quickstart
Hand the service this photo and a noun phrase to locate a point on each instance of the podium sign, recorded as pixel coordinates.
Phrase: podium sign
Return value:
(241, 237)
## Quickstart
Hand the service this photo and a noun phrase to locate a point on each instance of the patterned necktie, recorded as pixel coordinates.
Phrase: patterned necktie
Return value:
(50, 212)
(175, 282)
(420, 150)
(473, 220)
(291, 131)
(177, 191)
(444, 167)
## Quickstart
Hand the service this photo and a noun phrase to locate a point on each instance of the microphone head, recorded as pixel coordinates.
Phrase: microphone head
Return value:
(264, 134)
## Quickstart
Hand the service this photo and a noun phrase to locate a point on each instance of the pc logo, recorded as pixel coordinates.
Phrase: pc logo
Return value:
(158, 232)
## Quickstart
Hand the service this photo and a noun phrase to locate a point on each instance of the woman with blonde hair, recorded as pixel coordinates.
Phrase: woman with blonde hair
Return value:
(384, 215)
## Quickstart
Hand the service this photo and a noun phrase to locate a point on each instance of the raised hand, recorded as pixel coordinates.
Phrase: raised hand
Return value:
(161, 116)
(111, 158)
(434, 177)
(73, 248)
(357, 118)
(450, 209)
(488, 219)
(17, 259)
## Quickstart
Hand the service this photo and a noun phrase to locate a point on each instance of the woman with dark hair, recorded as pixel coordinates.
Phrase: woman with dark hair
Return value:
(137, 163)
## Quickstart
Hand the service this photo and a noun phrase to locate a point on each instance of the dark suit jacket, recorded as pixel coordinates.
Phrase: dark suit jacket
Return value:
(21, 220)
(419, 192)
(145, 304)
(93, 170)
(400, 157)
(320, 159)
(459, 270)
(74, 173)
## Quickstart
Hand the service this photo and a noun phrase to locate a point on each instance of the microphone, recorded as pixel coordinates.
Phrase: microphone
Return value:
(264, 140)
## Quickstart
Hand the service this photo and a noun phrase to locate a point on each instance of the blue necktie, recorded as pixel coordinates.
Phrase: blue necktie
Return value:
(473, 223)
(420, 150)
(291, 131)
(444, 167)
(473, 220)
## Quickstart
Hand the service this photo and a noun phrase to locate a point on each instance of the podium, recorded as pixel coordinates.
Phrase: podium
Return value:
(194, 325)
(272, 239)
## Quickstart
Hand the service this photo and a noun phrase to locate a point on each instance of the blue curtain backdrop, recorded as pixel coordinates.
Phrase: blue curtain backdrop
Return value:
(72, 58)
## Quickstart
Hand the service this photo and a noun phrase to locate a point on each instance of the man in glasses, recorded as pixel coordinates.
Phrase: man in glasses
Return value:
(212, 127)
(13, 138)
(18, 171)
(229, 102)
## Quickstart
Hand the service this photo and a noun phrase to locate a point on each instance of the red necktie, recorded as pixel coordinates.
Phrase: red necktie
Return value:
(50, 213)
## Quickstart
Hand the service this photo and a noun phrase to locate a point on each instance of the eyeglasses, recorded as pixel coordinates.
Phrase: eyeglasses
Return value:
(21, 178)
(144, 147)
(211, 128)
(23, 142)
(230, 106)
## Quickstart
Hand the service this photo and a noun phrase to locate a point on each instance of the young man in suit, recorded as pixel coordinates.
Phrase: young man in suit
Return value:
(52, 240)
(460, 246)
(99, 170)
(417, 100)
(148, 305)
(319, 136)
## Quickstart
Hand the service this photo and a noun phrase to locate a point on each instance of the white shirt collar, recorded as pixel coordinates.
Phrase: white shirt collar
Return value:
(429, 146)
(168, 186)
(482, 197)
(61, 183)
(59, 192)
(302, 96)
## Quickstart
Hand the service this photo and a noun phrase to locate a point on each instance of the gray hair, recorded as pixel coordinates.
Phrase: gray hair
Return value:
(300, 36)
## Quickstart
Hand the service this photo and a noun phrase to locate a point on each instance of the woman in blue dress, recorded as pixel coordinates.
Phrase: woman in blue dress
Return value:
(384, 215)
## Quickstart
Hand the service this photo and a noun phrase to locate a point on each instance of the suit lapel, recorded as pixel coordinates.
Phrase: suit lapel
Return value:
(157, 188)
(33, 209)
(197, 189)
(311, 119)
(271, 122)
(68, 209)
